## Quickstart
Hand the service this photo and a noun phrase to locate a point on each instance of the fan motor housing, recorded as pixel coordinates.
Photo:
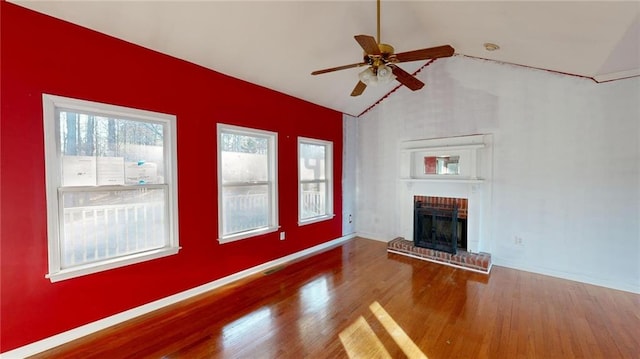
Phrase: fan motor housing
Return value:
(386, 52)
(385, 49)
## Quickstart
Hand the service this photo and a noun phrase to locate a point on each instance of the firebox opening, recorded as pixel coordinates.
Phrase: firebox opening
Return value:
(440, 223)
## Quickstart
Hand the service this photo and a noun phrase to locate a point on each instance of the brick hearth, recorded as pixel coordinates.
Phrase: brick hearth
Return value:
(477, 262)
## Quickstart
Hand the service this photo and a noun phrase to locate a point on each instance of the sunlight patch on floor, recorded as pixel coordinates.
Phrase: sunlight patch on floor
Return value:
(360, 341)
(401, 338)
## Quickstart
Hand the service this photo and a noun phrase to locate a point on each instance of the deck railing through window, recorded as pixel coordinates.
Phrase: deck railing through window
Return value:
(109, 231)
(313, 204)
(245, 212)
(250, 211)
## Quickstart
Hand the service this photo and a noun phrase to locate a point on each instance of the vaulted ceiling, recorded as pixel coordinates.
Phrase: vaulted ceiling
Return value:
(277, 44)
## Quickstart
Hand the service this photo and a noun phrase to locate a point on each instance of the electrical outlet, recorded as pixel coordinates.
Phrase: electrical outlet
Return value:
(282, 236)
(350, 218)
(518, 240)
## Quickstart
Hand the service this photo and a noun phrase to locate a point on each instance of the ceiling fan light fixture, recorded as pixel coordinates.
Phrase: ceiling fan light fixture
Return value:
(368, 77)
(385, 75)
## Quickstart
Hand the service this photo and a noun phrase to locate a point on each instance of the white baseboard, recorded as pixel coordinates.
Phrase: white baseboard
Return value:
(576, 277)
(376, 237)
(73, 334)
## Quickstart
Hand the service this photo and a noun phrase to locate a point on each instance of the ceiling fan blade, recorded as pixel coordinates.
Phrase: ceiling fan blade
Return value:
(368, 44)
(424, 54)
(344, 67)
(406, 79)
(359, 89)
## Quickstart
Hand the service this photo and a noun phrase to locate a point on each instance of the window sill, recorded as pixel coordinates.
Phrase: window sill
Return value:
(247, 234)
(316, 219)
(78, 271)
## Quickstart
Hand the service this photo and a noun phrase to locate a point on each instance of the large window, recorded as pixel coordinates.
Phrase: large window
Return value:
(247, 183)
(315, 189)
(111, 186)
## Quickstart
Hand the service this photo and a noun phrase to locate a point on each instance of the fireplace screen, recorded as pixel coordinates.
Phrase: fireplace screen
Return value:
(440, 223)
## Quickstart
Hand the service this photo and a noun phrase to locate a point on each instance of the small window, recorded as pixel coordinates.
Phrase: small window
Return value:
(315, 182)
(247, 183)
(111, 186)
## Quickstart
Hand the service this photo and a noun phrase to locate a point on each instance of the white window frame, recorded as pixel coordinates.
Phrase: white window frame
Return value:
(328, 181)
(54, 189)
(272, 181)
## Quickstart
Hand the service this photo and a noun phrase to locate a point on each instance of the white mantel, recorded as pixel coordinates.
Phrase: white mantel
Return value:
(473, 182)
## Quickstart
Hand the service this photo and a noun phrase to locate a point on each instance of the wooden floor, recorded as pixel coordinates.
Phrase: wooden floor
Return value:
(359, 301)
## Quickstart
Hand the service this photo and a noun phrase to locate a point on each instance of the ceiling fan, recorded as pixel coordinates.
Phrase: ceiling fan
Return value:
(382, 62)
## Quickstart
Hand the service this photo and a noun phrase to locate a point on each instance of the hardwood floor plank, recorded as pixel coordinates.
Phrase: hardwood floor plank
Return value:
(304, 308)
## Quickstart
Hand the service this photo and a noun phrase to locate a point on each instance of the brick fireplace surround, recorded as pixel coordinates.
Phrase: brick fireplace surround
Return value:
(477, 262)
(444, 203)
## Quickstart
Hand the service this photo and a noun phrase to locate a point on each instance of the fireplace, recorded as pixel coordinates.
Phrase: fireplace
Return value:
(451, 179)
(440, 223)
(449, 168)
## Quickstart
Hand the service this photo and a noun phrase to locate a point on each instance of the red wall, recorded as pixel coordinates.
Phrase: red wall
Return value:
(40, 54)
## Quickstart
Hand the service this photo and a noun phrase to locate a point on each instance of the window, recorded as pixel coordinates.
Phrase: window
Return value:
(315, 189)
(247, 183)
(111, 186)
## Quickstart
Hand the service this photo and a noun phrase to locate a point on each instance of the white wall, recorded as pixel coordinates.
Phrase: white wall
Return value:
(566, 166)
(349, 151)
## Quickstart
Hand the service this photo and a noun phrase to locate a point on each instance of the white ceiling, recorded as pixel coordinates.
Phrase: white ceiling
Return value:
(277, 44)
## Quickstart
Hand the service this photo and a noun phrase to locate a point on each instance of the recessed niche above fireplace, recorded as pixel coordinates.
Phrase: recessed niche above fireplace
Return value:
(441, 165)
(449, 159)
